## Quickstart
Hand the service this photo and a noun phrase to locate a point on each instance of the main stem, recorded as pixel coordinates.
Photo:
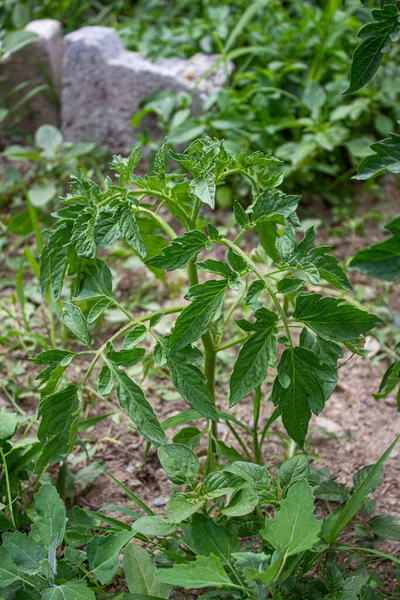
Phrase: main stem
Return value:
(210, 355)
(257, 406)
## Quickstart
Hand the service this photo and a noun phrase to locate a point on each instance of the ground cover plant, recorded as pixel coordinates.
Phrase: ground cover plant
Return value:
(239, 523)
(293, 108)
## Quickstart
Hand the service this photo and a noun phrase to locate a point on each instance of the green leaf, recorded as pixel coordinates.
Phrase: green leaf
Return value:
(314, 262)
(180, 507)
(193, 322)
(256, 288)
(288, 285)
(140, 572)
(272, 203)
(15, 41)
(314, 97)
(8, 426)
(331, 491)
(207, 537)
(386, 158)
(40, 194)
(72, 590)
(54, 356)
(237, 262)
(98, 309)
(204, 188)
(219, 267)
(331, 318)
(242, 503)
(257, 476)
(106, 229)
(303, 385)
(255, 356)
(181, 251)
(295, 527)
(48, 138)
(381, 260)
(9, 572)
(73, 318)
(203, 572)
(294, 469)
(126, 358)
(359, 495)
(25, 553)
(328, 351)
(103, 554)
(369, 593)
(129, 228)
(135, 336)
(389, 381)
(96, 281)
(58, 427)
(83, 234)
(54, 259)
(189, 382)
(242, 218)
(385, 526)
(180, 463)
(155, 526)
(134, 402)
(49, 517)
(106, 381)
(369, 54)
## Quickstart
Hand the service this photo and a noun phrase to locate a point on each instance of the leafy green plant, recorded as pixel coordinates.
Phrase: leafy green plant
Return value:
(377, 37)
(94, 218)
(295, 109)
(288, 334)
(42, 172)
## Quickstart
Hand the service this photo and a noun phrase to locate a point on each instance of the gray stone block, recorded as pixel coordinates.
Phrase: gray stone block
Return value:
(39, 63)
(104, 86)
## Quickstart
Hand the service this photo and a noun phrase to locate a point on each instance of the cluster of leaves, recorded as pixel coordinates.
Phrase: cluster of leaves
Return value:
(94, 218)
(15, 14)
(382, 260)
(295, 109)
(193, 549)
(41, 175)
(273, 284)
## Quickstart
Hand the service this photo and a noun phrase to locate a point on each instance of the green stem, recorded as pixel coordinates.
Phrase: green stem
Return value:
(126, 328)
(236, 171)
(233, 342)
(159, 220)
(210, 356)
(10, 508)
(256, 416)
(263, 278)
(319, 55)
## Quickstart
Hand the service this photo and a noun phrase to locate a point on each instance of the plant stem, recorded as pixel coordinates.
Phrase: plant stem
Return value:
(10, 508)
(159, 220)
(167, 311)
(256, 416)
(233, 342)
(210, 355)
(263, 278)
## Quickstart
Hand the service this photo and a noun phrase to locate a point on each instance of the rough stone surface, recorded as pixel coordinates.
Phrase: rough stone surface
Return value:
(104, 85)
(39, 63)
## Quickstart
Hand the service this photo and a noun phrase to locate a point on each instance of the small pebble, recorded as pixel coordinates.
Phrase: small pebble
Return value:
(160, 501)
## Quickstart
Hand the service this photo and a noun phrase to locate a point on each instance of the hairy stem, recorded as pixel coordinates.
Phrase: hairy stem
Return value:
(10, 508)
(256, 416)
(259, 274)
(209, 369)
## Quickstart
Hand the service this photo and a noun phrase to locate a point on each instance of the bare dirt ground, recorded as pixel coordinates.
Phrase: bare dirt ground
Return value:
(353, 430)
